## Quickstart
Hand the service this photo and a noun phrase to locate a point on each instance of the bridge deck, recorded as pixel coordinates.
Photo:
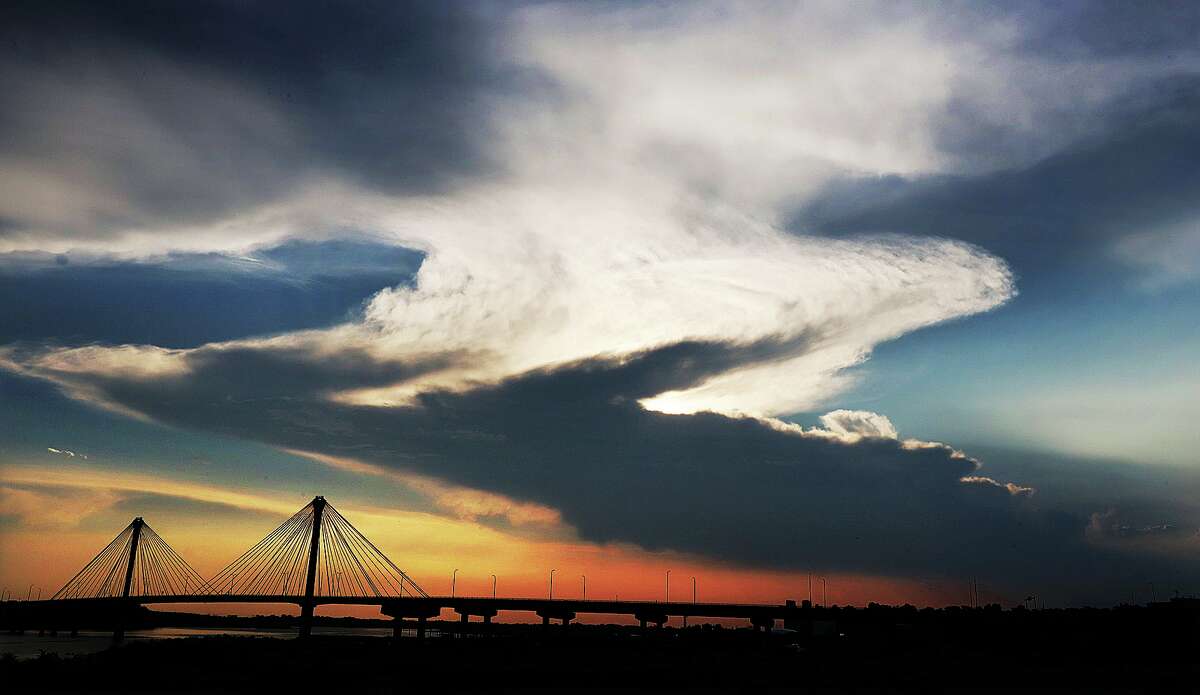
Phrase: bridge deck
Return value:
(473, 605)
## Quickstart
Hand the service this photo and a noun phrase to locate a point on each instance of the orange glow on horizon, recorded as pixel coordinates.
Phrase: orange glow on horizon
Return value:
(427, 546)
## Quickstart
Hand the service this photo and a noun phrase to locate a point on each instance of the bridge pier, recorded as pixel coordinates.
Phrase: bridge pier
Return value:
(420, 610)
(123, 611)
(659, 619)
(465, 611)
(562, 615)
(397, 627)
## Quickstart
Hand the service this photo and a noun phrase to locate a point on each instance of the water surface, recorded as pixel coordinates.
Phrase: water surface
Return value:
(31, 645)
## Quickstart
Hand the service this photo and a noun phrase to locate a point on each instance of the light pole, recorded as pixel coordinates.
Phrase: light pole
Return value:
(668, 597)
(584, 578)
(824, 592)
(693, 600)
(552, 583)
(453, 581)
(493, 586)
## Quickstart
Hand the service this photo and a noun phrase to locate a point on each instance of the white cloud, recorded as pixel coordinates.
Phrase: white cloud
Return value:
(640, 208)
(1012, 488)
(859, 422)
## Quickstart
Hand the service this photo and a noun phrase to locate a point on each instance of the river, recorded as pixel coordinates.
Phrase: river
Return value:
(31, 645)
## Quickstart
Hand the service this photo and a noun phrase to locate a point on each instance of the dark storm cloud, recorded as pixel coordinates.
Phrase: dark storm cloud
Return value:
(575, 438)
(1139, 176)
(1110, 27)
(1144, 494)
(185, 300)
(192, 109)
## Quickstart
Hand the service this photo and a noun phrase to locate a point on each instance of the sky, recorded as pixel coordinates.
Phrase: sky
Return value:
(902, 296)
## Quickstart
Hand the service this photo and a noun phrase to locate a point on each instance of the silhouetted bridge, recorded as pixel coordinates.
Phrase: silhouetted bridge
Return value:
(314, 558)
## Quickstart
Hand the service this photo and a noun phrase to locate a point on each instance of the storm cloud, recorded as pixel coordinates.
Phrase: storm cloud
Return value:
(1129, 195)
(746, 491)
(141, 115)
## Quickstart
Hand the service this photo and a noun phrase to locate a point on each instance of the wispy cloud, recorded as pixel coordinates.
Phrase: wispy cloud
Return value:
(461, 502)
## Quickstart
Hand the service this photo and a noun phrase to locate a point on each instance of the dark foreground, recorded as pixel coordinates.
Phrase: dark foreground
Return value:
(1015, 654)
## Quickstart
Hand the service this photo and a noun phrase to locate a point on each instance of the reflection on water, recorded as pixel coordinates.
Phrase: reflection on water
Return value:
(31, 645)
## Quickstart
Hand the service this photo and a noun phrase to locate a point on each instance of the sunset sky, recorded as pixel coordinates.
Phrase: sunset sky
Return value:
(898, 295)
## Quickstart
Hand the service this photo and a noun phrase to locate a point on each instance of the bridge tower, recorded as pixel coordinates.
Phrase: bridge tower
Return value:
(136, 567)
(136, 535)
(314, 551)
(137, 525)
(316, 557)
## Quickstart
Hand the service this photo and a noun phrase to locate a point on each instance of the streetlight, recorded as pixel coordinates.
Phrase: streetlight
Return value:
(693, 600)
(453, 581)
(552, 583)
(824, 592)
(584, 578)
(493, 586)
(668, 586)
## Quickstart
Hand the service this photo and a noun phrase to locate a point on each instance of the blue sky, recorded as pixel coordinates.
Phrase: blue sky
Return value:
(1108, 372)
(923, 283)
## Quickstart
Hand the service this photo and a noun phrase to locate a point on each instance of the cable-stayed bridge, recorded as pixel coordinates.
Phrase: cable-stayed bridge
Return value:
(314, 558)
